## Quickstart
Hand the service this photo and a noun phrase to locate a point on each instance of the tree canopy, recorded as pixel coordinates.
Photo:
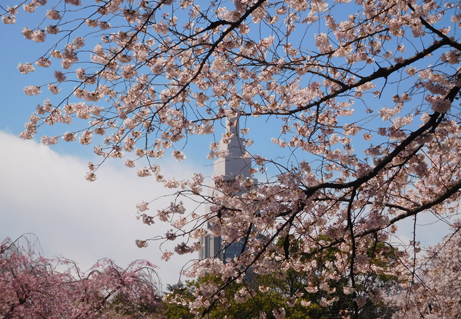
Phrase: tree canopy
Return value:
(360, 101)
(33, 286)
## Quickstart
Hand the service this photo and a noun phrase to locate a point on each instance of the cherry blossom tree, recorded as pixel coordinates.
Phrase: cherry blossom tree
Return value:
(361, 97)
(33, 286)
(433, 291)
(263, 293)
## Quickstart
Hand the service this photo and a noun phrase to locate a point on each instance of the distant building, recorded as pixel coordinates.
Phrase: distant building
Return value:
(230, 166)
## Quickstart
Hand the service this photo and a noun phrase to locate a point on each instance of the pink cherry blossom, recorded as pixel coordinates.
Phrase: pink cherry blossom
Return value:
(53, 14)
(32, 90)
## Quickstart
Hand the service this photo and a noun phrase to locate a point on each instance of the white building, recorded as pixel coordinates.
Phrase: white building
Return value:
(232, 165)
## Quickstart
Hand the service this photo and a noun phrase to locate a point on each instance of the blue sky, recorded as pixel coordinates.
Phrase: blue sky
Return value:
(43, 190)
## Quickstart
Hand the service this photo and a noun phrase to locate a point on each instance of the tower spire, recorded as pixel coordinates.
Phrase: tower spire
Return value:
(233, 164)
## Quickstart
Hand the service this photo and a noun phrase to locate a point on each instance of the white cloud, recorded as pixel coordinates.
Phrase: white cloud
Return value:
(45, 193)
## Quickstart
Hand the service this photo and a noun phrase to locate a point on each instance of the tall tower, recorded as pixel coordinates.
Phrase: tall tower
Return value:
(232, 165)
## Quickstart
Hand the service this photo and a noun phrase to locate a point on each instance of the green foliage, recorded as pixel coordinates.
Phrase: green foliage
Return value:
(174, 304)
(122, 306)
(286, 289)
